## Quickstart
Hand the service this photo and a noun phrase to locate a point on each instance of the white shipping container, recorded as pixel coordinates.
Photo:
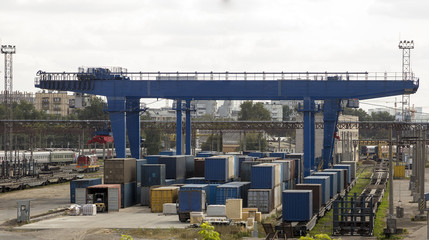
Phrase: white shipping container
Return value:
(231, 167)
(169, 209)
(286, 169)
(80, 194)
(277, 195)
(263, 199)
(216, 211)
(89, 210)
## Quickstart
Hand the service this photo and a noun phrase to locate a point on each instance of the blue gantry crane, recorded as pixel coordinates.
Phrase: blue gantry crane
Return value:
(124, 91)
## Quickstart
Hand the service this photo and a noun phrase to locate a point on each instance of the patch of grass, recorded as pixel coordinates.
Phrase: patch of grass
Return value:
(380, 219)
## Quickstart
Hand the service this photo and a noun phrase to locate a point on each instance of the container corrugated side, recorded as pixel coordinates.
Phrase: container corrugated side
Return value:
(332, 179)
(263, 199)
(192, 200)
(246, 170)
(352, 166)
(139, 163)
(153, 159)
(175, 166)
(297, 205)
(216, 168)
(152, 174)
(281, 155)
(340, 177)
(317, 194)
(241, 159)
(81, 183)
(211, 195)
(189, 159)
(195, 180)
(263, 176)
(128, 194)
(162, 195)
(199, 165)
(348, 168)
(203, 187)
(285, 169)
(326, 185)
(277, 196)
(120, 170)
(167, 153)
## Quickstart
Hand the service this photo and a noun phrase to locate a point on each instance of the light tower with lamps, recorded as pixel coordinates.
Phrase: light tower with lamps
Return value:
(406, 47)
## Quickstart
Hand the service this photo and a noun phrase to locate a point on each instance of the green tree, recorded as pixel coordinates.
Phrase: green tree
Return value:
(208, 232)
(23, 111)
(256, 141)
(382, 116)
(363, 116)
(152, 138)
(96, 111)
(253, 112)
(211, 144)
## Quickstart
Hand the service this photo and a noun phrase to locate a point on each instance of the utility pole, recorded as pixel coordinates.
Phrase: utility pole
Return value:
(391, 220)
(8, 51)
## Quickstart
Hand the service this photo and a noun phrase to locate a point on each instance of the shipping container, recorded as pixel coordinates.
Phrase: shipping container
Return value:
(152, 174)
(258, 154)
(233, 190)
(81, 183)
(120, 170)
(153, 159)
(128, 194)
(80, 196)
(277, 196)
(199, 167)
(285, 169)
(169, 182)
(167, 153)
(246, 170)
(189, 159)
(317, 194)
(202, 187)
(333, 179)
(268, 159)
(162, 195)
(113, 192)
(205, 154)
(219, 168)
(216, 211)
(263, 199)
(297, 205)
(340, 177)
(139, 163)
(175, 166)
(348, 172)
(192, 200)
(241, 159)
(266, 175)
(352, 168)
(195, 180)
(299, 165)
(211, 195)
(326, 185)
(280, 155)
(145, 196)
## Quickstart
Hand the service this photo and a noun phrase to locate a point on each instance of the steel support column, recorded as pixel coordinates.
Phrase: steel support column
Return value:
(133, 126)
(116, 108)
(179, 127)
(188, 128)
(308, 110)
(331, 110)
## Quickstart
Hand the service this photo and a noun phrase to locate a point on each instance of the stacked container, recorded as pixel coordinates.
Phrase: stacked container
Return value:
(195, 180)
(153, 159)
(297, 205)
(266, 175)
(139, 163)
(167, 153)
(219, 168)
(324, 181)
(348, 173)
(211, 195)
(263, 199)
(352, 168)
(317, 194)
(235, 190)
(246, 170)
(242, 159)
(112, 193)
(162, 195)
(122, 171)
(280, 155)
(199, 167)
(333, 181)
(175, 166)
(340, 176)
(258, 154)
(189, 159)
(299, 165)
(192, 201)
(151, 175)
(81, 183)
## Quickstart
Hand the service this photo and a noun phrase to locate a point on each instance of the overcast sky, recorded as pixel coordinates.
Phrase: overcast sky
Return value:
(216, 35)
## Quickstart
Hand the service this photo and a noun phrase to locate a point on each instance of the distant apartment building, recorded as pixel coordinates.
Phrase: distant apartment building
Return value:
(275, 109)
(162, 114)
(18, 96)
(55, 103)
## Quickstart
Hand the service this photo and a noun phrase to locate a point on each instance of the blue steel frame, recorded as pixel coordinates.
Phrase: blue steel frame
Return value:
(123, 93)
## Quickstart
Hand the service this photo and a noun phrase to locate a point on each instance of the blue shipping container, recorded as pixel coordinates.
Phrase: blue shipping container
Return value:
(169, 182)
(263, 177)
(211, 195)
(340, 175)
(258, 154)
(175, 166)
(205, 154)
(192, 200)
(152, 174)
(348, 168)
(153, 159)
(326, 185)
(234, 190)
(333, 180)
(281, 155)
(297, 205)
(128, 194)
(189, 165)
(81, 183)
(167, 153)
(139, 163)
(204, 187)
(216, 168)
(195, 180)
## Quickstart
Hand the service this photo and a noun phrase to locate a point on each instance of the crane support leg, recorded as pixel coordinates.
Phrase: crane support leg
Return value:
(331, 110)
(188, 127)
(179, 127)
(133, 126)
(309, 110)
(116, 108)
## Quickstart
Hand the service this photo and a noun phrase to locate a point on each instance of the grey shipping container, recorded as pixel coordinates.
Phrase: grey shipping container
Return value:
(333, 181)
(120, 170)
(80, 196)
(139, 163)
(353, 167)
(340, 177)
(246, 170)
(317, 194)
(189, 166)
(82, 183)
(128, 194)
(285, 170)
(175, 166)
(263, 199)
(113, 199)
(145, 196)
(348, 168)
(297, 205)
(152, 174)
(326, 185)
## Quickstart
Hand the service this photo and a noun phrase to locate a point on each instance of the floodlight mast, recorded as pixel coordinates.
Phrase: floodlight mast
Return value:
(406, 47)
